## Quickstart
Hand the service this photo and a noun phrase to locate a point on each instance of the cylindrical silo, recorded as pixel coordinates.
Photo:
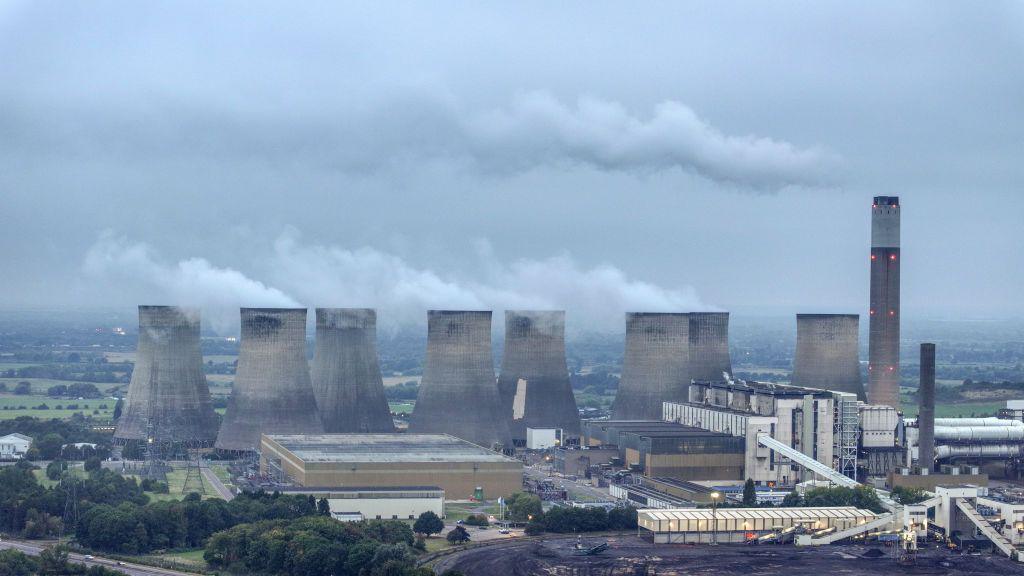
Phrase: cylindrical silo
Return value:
(926, 408)
(168, 393)
(827, 353)
(346, 374)
(655, 367)
(272, 393)
(709, 346)
(534, 382)
(459, 394)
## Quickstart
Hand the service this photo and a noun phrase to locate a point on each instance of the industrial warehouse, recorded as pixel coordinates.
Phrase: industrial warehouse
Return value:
(463, 470)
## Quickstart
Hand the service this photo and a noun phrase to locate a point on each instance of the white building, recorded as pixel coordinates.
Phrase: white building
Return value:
(543, 438)
(380, 503)
(14, 446)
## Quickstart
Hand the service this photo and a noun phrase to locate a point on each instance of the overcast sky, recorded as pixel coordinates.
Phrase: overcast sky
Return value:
(597, 157)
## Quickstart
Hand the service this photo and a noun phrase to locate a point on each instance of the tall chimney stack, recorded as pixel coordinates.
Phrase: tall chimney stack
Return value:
(884, 313)
(926, 411)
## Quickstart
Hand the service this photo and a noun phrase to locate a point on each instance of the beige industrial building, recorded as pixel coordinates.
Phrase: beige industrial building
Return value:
(697, 525)
(458, 467)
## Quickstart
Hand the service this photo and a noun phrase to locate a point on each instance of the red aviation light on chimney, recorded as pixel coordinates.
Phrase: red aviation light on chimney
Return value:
(871, 312)
(892, 256)
(873, 257)
(892, 312)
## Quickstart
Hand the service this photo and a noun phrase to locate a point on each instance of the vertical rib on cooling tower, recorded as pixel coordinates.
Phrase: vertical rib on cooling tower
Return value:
(346, 374)
(826, 353)
(709, 346)
(656, 365)
(534, 382)
(168, 379)
(272, 392)
(458, 394)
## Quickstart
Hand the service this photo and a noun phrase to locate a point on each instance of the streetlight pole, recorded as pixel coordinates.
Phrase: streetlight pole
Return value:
(714, 518)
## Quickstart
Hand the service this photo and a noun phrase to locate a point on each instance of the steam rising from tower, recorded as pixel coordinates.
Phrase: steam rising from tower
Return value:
(272, 392)
(709, 346)
(826, 353)
(168, 392)
(458, 394)
(534, 382)
(656, 366)
(346, 374)
(884, 335)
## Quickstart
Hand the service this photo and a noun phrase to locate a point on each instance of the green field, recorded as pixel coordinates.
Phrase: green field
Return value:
(175, 481)
(191, 559)
(45, 482)
(960, 409)
(401, 407)
(10, 407)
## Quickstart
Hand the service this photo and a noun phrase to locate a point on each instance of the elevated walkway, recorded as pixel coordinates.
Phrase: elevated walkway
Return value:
(882, 521)
(823, 470)
(998, 540)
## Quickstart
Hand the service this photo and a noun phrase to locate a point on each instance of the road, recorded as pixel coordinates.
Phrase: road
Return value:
(34, 548)
(222, 490)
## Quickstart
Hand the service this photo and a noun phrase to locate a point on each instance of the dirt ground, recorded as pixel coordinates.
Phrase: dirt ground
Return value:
(632, 556)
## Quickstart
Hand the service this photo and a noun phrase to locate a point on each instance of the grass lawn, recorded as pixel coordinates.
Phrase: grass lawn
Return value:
(175, 481)
(10, 403)
(45, 482)
(221, 471)
(401, 407)
(437, 542)
(458, 511)
(190, 558)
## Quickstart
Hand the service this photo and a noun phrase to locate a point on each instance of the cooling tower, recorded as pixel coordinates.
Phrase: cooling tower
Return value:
(926, 410)
(709, 346)
(458, 394)
(656, 366)
(826, 353)
(168, 393)
(346, 375)
(884, 313)
(534, 382)
(272, 392)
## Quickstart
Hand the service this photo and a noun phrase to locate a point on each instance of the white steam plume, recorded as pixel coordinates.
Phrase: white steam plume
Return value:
(314, 275)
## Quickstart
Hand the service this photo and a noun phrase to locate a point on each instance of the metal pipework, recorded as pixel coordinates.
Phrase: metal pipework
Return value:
(979, 451)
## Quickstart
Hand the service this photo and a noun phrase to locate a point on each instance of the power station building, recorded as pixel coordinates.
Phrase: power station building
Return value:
(668, 449)
(336, 461)
(534, 380)
(168, 397)
(826, 353)
(272, 392)
(656, 366)
(459, 394)
(346, 374)
(802, 418)
(884, 312)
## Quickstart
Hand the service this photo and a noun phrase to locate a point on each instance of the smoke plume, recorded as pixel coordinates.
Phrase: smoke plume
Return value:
(299, 274)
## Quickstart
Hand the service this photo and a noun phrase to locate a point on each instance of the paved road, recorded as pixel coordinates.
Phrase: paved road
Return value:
(34, 548)
(222, 490)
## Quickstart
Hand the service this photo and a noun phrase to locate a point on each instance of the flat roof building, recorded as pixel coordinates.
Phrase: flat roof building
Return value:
(670, 449)
(356, 503)
(685, 525)
(388, 460)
